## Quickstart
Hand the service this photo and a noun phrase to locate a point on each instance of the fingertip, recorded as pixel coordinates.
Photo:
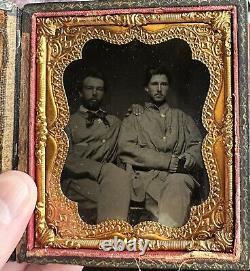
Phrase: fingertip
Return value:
(21, 178)
(17, 202)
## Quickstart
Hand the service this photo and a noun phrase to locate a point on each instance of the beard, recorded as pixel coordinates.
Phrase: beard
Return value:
(92, 104)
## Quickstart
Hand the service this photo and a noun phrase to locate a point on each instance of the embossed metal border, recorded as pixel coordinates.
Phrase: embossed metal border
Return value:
(242, 132)
(210, 225)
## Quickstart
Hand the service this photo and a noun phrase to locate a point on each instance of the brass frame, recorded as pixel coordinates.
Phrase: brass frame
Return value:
(59, 42)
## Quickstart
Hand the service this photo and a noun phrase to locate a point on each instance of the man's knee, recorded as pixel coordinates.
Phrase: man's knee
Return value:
(181, 180)
(111, 174)
(107, 167)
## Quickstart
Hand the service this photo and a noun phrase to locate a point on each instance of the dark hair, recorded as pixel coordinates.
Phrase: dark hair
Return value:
(153, 71)
(90, 73)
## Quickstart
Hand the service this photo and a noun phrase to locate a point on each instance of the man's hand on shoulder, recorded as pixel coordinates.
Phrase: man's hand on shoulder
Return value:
(135, 109)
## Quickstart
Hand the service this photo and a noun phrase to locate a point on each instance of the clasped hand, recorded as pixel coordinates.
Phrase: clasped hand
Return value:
(188, 159)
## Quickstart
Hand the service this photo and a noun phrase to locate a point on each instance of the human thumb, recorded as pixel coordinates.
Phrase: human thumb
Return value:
(17, 201)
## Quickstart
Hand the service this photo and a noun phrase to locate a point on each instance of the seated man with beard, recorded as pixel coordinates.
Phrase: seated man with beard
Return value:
(101, 189)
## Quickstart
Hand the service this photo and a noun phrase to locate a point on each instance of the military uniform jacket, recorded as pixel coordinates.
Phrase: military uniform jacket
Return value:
(148, 141)
(90, 147)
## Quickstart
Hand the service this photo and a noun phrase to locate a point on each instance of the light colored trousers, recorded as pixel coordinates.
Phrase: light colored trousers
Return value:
(171, 205)
(110, 195)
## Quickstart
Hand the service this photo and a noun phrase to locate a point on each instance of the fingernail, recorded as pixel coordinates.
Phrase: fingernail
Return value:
(13, 197)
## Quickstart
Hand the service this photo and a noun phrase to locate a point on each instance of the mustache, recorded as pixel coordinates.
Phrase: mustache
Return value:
(91, 101)
(158, 95)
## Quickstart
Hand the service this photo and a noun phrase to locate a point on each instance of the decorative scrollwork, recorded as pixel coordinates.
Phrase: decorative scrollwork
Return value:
(220, 242)
(228, 130)
(129, 20)
(220, 21)
(76, 244)
(45, 236)
(41, 135)
(66, 37)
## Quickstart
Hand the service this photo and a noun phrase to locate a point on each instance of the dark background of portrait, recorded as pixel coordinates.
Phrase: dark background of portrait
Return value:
(124, 68)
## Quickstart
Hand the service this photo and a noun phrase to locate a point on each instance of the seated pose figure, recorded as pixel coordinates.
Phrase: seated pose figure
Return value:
(161, 149)
(101, 189)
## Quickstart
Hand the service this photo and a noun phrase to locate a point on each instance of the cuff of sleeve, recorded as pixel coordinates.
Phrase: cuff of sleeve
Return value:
(164, 161)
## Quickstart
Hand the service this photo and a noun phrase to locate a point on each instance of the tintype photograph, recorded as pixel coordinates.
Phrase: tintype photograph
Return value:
(136, 125)
(136, 133)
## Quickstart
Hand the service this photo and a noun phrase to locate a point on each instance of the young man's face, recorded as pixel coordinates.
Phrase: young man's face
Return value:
(157, 88)
(92, 92)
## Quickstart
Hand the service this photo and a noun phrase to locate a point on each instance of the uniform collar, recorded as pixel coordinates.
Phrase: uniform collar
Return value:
(163, 107)
(83, 109)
